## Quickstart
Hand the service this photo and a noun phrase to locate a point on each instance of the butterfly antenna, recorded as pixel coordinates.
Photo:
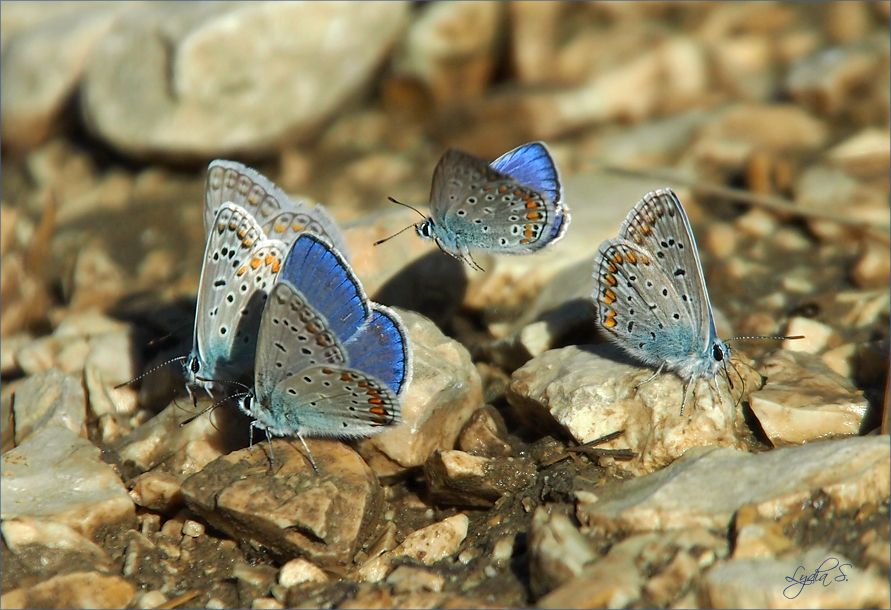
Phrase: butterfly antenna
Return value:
(779, 338)
(238, 383)
(420, 213)
(151, 370)
(158, 340)
(380, 241)
(210, 408)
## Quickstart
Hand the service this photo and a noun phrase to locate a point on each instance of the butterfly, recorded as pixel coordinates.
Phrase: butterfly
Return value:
(329, 362)
(651, 295)
(512, 206)
(240, 266)
(280, 218)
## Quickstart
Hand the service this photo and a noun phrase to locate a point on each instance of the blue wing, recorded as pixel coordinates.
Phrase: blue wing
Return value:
(532, 165)
(322, 275)
(381, 348)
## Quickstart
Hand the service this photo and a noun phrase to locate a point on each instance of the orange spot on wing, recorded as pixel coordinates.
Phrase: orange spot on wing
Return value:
(610, 320)
(255, 263)
(631, 257)
(241, 271)
(609, 297)
(617, 258)
(298, 227)
(276, 266)
(533, 216)
(528, 232)
(610, 279)
(378, 411)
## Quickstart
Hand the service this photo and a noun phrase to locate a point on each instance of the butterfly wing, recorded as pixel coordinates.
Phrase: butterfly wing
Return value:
(532, 165)
(327, 282)
(280, 217)
(292, 337)
(474, 206)
(659, 225)
(381, 348)
(240, 265)
(333, 401)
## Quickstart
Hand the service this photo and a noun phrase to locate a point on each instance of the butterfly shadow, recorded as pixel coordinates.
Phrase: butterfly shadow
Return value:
(433, 285)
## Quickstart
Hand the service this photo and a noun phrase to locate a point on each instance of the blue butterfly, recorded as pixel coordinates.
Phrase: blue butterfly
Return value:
(512, 206)
(329, 362)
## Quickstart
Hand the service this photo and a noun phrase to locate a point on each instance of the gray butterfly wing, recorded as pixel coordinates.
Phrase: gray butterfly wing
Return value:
(659, 225)
(333, 401)
(480, 208)
(639, 305)
(292, 337)
(280, 217)
(240, 265)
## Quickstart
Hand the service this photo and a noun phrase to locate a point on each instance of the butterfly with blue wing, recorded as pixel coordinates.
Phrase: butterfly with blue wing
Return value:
(329, 362)
(513, 205)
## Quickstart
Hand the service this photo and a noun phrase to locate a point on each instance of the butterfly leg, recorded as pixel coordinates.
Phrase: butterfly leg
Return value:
(714, 382)
(651, 377)
(271, 452)
(686, 393)
(308, 453)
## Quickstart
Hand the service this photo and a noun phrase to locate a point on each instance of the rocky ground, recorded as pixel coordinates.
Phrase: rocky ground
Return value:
(506, 485)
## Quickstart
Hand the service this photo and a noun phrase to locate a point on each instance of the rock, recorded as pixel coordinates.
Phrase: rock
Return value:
(816, 336)
(484, 434)
(458, 478)
(158, 491)
(182, 449)
(98, 280)
(291, 510)
(558, 551)
(73, 590)
(299, 571)
(427, 545)
(590, 391)
(873, 266)
(534, 36)
(450, 47)
(804, 401)
(866, 154)
(831, 190)
(95, 503)
(757, 536)
(709, 485)
(660, 564)
(744, 66)
(776, 583)
(41, 70)
(49, 399)
(833, 80)
(767, 127)
(445, 390)
(49, 547)
(188, 85)
(408, 579)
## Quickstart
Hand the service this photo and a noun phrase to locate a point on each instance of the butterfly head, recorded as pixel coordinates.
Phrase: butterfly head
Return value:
(425, 229)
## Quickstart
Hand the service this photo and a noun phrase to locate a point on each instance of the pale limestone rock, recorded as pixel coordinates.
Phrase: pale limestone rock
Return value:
(709, 485)
(94, 502)
(804, 401)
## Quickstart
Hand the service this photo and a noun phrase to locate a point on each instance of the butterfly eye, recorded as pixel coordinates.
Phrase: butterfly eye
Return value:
(194, 366)
(717, 352)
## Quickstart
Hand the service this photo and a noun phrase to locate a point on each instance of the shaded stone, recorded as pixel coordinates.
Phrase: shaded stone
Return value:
(95, 503)
(558, 550)
(484, 435)
(49, 399)
(709, 485)
(73, 590)
(291, 510)
(49, 547)
(458, 478)
(428, 545)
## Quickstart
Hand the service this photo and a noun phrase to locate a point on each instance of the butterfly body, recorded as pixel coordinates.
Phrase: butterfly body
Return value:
(512, 206)
(651, 295)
